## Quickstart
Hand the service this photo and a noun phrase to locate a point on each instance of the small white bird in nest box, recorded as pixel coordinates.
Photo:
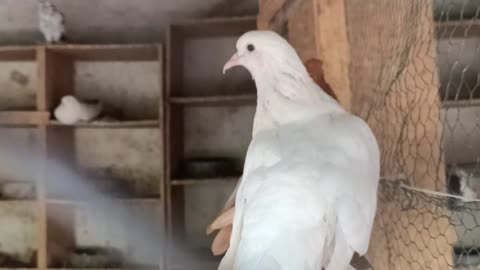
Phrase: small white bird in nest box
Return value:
(468, 183)
(71, 111)
(51, 22)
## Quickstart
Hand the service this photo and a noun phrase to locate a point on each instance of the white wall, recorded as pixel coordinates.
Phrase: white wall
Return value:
(111, 20)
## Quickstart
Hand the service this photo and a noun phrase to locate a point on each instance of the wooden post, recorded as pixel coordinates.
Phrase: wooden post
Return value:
(379, 58)
(42, 263)
(55, 222)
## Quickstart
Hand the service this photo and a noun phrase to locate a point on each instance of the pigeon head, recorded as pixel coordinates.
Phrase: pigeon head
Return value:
(263, 52)
(45, 4)
(69, 100)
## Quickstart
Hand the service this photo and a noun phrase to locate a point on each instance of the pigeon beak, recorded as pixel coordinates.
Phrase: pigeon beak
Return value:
(234, 61)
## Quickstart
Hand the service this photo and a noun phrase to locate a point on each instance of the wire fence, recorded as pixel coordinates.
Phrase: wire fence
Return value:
(423, 103)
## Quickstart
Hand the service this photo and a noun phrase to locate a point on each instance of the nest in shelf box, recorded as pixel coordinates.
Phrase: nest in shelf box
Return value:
(95, 258)
(72, 110)
(18, 261)
(15, 190)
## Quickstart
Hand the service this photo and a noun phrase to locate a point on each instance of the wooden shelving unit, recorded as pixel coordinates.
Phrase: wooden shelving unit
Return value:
(56, 67)
(186, 96)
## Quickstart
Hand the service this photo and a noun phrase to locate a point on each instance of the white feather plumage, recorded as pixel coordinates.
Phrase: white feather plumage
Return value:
(51, 21)
(307, 199)
(71, 111)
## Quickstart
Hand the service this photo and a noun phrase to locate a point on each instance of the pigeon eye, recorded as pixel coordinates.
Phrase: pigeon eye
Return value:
(250, 47)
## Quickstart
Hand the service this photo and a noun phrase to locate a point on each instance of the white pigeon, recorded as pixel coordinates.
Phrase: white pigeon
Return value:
(468, 184)
(51, 22)
(71, 111)
(308, 195)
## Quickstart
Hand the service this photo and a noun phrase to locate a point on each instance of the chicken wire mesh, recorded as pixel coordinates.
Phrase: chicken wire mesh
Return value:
(423, 103)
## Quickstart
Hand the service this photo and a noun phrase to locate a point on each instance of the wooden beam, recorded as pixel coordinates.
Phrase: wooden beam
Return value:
(267, 10)
(17, 53)
(333, 47)
(327, 45)
(162, 178)
(41, 225)
(301, 29)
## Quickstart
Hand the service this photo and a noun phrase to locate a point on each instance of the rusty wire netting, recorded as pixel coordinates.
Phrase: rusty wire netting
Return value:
(423, 103)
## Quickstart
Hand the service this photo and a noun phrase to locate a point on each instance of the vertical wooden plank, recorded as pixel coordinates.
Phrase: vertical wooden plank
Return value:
(301, 29)
(41, 203)
(174, 137)
(60, 232)
(162, 119)
(42, 140)
(42, 82)
(175, 195)
(333, 47)
(55, 73)
(167, 156)
(267, 10)
(327, 45)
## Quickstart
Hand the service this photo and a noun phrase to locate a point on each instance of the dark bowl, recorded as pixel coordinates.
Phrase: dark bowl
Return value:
(208, 167)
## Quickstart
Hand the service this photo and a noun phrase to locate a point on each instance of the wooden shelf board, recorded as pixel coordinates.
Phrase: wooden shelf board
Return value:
(111, 124)
(448, 104)
(128, 268)
(215, 100)
(32, 200)
(200, 181)
(457, 29)
(214, 27)
(23, 118)
(17, 53)
(121, 200)
(21, 268)
(18, 201)
(109, 52)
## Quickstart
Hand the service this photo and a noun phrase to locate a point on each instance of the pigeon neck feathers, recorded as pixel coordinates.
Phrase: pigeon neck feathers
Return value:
(287, 93)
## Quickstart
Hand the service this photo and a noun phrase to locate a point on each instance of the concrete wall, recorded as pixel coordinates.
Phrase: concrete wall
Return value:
(18, 231)
(17, 85)
(132, 228)
(17, 222)
(112, 21)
